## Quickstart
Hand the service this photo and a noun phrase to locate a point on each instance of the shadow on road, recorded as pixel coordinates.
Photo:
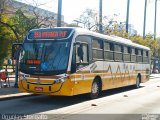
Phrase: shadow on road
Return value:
(118, 90)
(39, 103)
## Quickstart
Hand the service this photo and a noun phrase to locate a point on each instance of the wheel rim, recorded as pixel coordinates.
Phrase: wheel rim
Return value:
(95, 88)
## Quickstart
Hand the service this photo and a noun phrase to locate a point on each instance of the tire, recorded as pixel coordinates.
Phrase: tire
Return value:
(138, 81)
(95, 90)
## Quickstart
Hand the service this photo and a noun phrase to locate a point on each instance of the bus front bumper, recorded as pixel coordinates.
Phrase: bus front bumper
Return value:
(60, 89)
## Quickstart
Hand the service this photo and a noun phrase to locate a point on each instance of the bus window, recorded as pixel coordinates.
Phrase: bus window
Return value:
(133, 55)
(139, 55)
(108, 51)
(139, 52)
(85, 55)
(118, 52)
(82, 53)
(97, 48)
(133, 52)
(126, 54)
(145, 56)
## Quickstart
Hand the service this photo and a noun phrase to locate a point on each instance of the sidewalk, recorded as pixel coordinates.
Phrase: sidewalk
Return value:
(7, 93)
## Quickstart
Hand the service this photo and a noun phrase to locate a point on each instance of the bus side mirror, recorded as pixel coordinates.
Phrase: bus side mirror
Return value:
(15, 47)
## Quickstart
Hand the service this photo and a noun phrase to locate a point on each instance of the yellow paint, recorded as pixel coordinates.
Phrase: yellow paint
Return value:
(80, 83)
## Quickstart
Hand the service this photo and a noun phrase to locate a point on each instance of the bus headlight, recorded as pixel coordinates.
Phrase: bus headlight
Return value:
(23, 76)
(61, 80)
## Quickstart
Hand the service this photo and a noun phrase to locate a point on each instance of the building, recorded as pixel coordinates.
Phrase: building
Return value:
(48, 19)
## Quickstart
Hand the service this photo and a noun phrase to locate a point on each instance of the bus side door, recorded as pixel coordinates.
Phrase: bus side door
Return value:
(82, 61)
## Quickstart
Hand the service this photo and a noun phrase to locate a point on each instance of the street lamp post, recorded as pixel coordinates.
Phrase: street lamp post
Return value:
(17, 67)
(59, 13)
(155, 19)
(100, 16)
(127, 16)
(144, 23)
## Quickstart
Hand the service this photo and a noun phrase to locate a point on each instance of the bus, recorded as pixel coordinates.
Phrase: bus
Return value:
(72, 61)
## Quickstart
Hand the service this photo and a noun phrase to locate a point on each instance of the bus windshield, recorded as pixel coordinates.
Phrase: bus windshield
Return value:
(45, 57)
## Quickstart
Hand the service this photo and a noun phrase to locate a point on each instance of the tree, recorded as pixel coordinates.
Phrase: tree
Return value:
(13, 29)
(16, 23)
(24, 17)
(88, 19)
(22, 24)
(4, 43)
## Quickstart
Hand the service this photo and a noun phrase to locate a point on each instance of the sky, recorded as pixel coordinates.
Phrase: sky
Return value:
(72, 9)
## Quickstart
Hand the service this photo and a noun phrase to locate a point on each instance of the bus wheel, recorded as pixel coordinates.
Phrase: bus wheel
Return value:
(138, 80)
(95, 89)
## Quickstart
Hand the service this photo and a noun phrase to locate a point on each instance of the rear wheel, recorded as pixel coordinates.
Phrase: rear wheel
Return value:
(95, 89)
(138, 80)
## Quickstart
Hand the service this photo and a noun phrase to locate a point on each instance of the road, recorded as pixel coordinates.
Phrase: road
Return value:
(117, 103)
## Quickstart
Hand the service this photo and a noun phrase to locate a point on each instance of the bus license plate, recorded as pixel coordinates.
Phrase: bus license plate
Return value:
(38, 88)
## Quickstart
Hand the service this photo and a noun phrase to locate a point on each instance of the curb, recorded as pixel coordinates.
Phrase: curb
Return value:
(153, 77)
(14, 96)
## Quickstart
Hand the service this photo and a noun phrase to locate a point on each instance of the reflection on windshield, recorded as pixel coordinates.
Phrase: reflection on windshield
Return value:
(53, 56)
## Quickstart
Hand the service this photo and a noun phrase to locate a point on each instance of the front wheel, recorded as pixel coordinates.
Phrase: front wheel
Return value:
(95, 89)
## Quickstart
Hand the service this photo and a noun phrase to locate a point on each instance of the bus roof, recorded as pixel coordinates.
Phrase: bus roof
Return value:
(82, 31)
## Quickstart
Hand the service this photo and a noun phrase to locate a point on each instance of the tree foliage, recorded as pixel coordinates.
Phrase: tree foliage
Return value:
(16, 24)
(89, 19)
(149, 42)
(4, 43)
(22, 24)
(14, 29)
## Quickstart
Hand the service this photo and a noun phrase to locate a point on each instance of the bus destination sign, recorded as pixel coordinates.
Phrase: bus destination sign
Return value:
(59, 34)
(49, 34)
